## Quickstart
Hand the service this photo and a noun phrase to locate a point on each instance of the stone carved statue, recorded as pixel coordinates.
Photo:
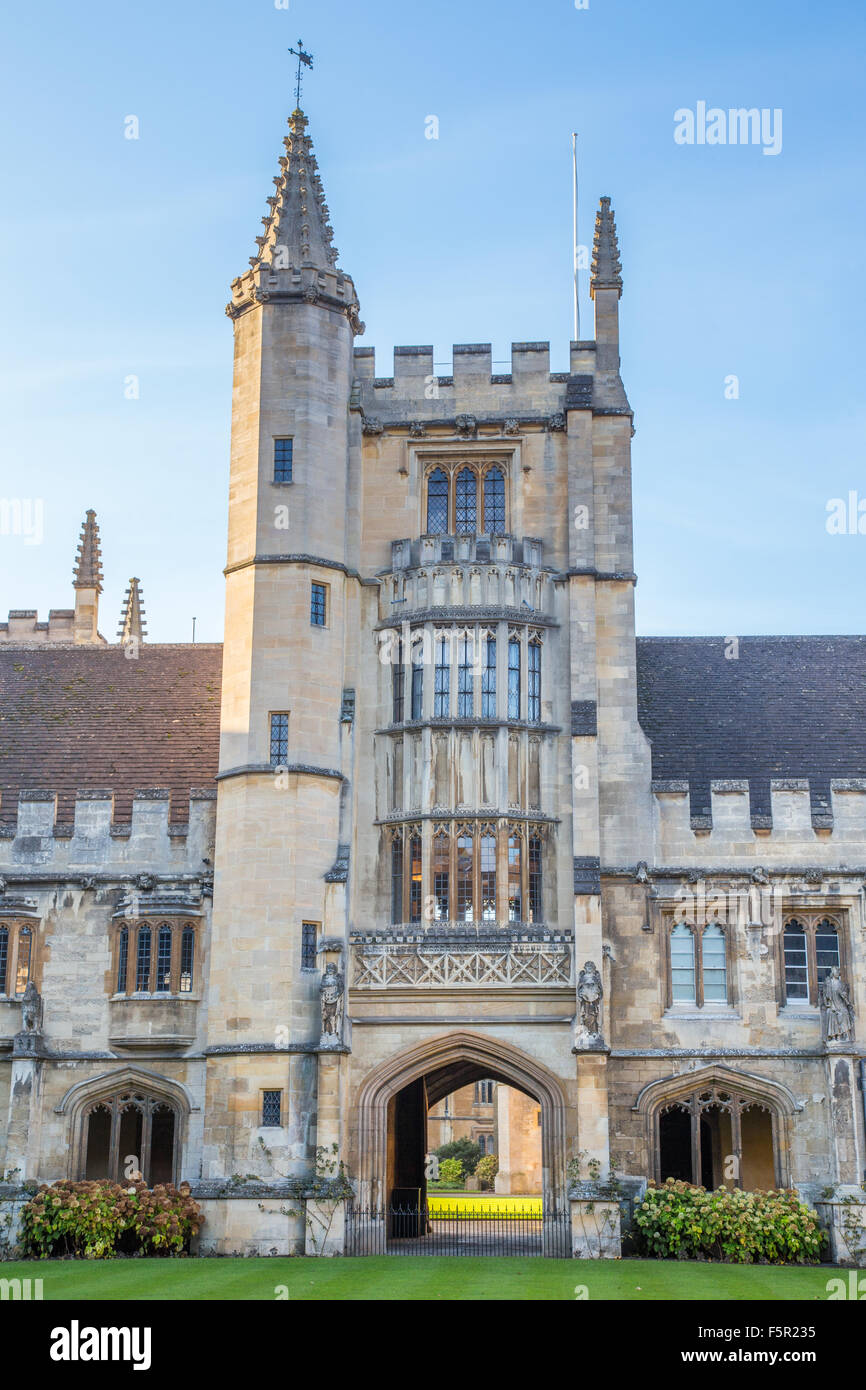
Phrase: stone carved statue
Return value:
(331, 996)
(31, 1011)
(837, 1010)
(589, 995)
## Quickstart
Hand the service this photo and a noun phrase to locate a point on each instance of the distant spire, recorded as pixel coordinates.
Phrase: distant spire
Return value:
(88, 564)
(132, 624)
(606, 268)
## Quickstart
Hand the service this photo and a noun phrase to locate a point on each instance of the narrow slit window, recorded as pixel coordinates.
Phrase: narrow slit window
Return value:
(417, 682)
(415, 882)
(25, 951)
(488, 680)
(514, 678)
(122, 959)
(683, 965)
(187, 960)
(437, 503)
(533, 674)
(796, 962)
(465, 681)
(442, 677)
(309, 940)
(467, 505)
(714, 963)
(142, 960)
(163, 960)
(515, 897)
(318, 605)
(535, 914)
(279, 740)
(283, 460)
(397, 879)
(465, 909)
(494, 502)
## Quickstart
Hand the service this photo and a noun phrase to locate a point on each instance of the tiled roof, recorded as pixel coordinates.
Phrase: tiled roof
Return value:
(787, 707)
(88, 717)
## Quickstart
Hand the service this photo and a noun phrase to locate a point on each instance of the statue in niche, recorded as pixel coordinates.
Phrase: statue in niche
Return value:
(31, 1011)
(837, 1009)
(331, 996)
(589, 995)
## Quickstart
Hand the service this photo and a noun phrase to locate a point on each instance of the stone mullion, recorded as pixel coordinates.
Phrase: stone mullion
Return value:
(695, 1109)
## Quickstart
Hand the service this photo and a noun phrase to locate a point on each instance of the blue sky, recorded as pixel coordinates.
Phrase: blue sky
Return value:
(118, 256)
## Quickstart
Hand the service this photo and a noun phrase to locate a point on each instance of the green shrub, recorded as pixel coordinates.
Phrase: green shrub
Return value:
(488, 1167)
(451, 1172)
(681, 1222)
(95, 1220)
(464, 1149)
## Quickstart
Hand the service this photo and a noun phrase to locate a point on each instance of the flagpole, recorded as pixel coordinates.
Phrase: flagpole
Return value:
(574, 189)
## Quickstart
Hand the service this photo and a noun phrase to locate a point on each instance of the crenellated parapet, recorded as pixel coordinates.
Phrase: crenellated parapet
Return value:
(736, 819)
(95, 841)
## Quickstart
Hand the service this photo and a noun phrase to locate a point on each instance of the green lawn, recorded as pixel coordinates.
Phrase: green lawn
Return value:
(413, 1278)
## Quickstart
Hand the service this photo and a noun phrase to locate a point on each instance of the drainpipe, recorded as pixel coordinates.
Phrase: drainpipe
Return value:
(863, 1098)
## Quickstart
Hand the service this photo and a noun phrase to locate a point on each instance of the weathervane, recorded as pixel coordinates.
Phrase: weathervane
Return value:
(304, 60)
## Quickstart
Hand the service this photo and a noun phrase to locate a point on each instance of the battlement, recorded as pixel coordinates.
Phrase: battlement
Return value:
(23, 628)
(36, 840)
(742, 818)
(414, 365)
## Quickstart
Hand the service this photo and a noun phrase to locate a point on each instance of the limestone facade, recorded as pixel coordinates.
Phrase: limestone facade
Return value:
(435, 773)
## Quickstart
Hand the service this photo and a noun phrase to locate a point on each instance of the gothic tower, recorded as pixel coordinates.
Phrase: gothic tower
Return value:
(292, 618)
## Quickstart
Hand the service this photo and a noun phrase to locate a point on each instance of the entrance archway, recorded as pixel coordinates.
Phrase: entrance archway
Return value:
(390, 1114)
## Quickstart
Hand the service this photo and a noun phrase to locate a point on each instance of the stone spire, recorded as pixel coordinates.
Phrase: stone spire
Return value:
(87, 582)
(606, 268)
(132, 624)
(88, 564)
(296, 256)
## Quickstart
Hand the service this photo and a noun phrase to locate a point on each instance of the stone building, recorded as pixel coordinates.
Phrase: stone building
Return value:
(433, 814)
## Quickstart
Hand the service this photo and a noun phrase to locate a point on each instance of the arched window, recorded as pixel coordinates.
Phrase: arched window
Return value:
(442, 677)
(488, 680)
(465, 906)
(187, 959)
(163, 960)
(488, 878)
(535, 895)
(142, 960)
(467, 503)
(811, 947)
(714, 967)
(682, 965)
(25, 952)
(122, 959)
(533, 673)
(796, 962)
(416, 882)
(130, 1133)
(437, 503)
(514, 678)
(494, 502)
(465, 680)
(441, 874)
(4, 957)
(515, 895)
(397, 878)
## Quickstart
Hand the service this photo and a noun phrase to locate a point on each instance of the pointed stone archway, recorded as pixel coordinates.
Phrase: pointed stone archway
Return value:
(434, 1068)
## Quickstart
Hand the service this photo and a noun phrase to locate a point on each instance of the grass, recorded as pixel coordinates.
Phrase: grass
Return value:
(472, 1203)
(420, 1278)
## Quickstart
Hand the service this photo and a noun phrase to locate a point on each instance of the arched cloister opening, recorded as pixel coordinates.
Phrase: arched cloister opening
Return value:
(719, 1127)
(390, 1139)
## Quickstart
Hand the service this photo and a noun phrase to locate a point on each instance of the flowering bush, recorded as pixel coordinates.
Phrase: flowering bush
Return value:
(95, 1220)
(486, 1171)
(681, 1222)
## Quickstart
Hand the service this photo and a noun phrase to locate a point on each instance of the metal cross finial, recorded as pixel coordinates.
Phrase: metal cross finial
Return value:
(304, 60)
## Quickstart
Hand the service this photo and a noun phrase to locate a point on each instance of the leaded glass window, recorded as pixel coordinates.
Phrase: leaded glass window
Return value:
(826, 949)
(467, 505)
(397, 878)
(415, 882)
(535, 910)
(494, 502)
(515, 896)
(514, 678)
(4, 957)
(714, 964)
(163, 960)
(683, 965)
(283, 460)
(533, 674)
(142, 960)
(442, 678)
(271, 1108)
(464, 878)
(309, 936)
(796, 962)
(465, 682)
(187, 959)
(437, 503)
(488, 680)
(279, 740)
(488, 878)
(441, 875)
